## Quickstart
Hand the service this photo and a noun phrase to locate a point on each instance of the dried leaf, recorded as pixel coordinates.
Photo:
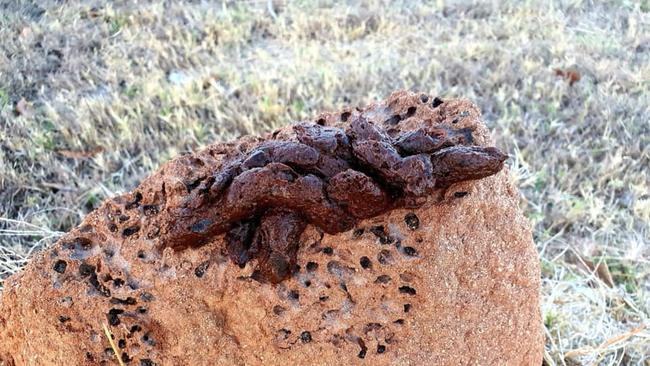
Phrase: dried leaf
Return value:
(571, 74)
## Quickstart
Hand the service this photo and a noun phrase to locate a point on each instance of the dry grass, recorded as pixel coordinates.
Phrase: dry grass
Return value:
(111, 92)
(111, 342)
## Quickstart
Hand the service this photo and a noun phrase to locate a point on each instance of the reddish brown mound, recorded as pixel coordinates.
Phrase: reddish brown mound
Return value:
(388, 255)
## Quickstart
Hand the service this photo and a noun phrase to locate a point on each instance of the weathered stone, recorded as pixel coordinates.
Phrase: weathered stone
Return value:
(360, 238)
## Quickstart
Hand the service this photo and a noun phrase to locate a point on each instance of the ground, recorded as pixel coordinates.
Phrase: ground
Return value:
(95, 97)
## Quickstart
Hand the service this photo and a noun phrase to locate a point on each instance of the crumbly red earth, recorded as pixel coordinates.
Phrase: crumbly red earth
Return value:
(435, 263)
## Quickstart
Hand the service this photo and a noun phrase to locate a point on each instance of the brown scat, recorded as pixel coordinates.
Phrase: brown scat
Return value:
(412, 174)
(276, 244)
(376, 151)
(328, 140)
(239, 239)
(328, 176)
(289, 153)
(461, 163)
(277, 185)
(257, 158)
(423, 141)
(359, 194)
(223, 178)
(361, 129)
(332, 143)
(250, 194)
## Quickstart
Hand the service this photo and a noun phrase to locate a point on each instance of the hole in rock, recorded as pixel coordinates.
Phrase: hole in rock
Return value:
(357, 233)
(148, 339)
(305, 337)
(125, 357)
(311, 266)
(294, 295)
(86, 269)
(380, 232)
(113, 318)
(412, 221)
(278, 310)
(385, 257)
(127, 301)
(407, 290)
(200, 270)
(383, 279)
(135, 203)
(130, 231)
(146, 297)
(392, 121)
(60, 266)
(365, 262)
(150, 210)
(410, 251)
(63, 318)
(411, 111)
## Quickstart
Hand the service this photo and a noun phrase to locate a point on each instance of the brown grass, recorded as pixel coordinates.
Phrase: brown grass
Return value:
(93, 99)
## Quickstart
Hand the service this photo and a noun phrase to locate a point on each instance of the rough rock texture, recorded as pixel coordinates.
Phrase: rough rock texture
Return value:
(356, 239)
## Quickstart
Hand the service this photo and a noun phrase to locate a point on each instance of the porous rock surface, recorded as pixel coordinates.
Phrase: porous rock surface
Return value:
(365, 236)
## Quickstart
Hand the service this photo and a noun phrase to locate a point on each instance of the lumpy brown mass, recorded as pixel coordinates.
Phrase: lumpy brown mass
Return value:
(327, 176)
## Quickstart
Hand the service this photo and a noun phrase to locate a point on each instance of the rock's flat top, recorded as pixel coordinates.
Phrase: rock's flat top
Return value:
(453, 280)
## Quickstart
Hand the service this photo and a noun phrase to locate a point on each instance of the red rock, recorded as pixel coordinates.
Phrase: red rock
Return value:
(403, 258)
